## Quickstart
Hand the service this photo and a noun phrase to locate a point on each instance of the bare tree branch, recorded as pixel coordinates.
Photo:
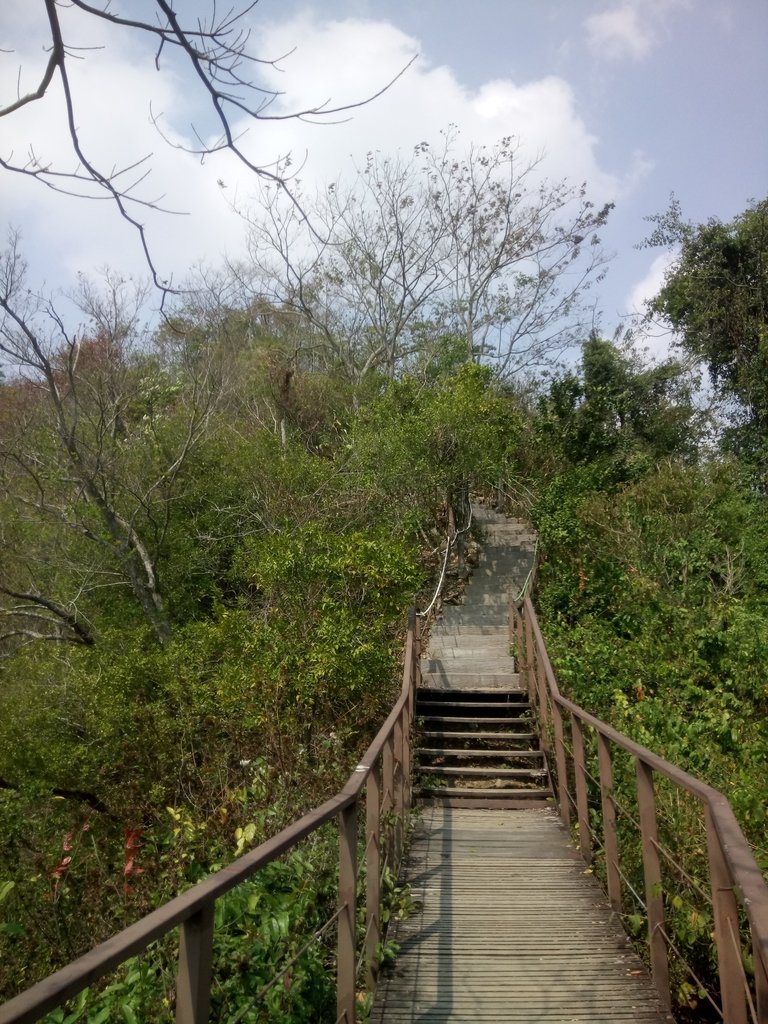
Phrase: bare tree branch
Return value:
(219, 59)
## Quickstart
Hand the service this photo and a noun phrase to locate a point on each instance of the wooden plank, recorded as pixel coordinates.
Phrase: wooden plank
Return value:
(508, 928)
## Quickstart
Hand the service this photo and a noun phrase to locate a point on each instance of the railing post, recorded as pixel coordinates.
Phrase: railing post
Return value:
(610, 838)
(193, 979)
(727, 939)
(398, 780)
(529, 658)
(345, 955)
(406, 759)
(541, 683)
(561, 765)
(388, 795)
(372, 869)
(582, 805)
(654, 899)
(519, 638)
(761, 980)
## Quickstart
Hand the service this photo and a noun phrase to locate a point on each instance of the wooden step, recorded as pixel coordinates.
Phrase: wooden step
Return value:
(500, 794)
(500, 754)
(455, 720)
(468, 705)
(467, 771)
(441, 734)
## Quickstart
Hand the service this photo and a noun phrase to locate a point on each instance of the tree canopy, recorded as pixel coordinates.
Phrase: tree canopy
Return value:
(715, 297)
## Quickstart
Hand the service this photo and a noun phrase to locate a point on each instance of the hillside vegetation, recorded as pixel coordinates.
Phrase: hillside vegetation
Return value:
(211, 533)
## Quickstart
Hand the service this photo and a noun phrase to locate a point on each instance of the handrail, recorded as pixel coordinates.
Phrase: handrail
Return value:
(385, 771)
(736, 881)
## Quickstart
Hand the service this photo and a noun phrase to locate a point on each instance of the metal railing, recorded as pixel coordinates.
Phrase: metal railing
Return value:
(382, 780)
(587, 753)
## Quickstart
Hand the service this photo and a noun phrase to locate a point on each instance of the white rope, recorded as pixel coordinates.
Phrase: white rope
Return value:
(448, 546)
(524, 587)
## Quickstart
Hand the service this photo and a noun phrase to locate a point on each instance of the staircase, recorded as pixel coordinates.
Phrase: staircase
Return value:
(477, 744)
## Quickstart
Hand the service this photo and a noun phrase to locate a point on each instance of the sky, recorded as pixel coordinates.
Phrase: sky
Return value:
(637, 98)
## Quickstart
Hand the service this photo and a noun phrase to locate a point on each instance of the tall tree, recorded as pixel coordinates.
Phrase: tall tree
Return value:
(474, 246)
(715, 297)
(518, 252)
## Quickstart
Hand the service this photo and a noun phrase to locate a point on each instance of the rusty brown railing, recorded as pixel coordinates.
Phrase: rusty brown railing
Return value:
(382, 780)
(584, 768)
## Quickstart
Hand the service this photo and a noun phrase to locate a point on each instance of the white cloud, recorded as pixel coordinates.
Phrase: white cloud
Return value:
(631, 29)
(619, 33)
(657, 340)
(341, 61)
(651, 283)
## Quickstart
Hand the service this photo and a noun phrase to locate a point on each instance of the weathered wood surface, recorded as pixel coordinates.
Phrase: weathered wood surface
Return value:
(508, 927)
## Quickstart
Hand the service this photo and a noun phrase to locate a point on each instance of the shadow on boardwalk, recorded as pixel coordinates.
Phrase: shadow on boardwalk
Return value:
(509, 927)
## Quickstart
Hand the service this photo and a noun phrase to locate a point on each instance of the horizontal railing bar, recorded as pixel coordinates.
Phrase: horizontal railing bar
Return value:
(746, 874)
(49, 993)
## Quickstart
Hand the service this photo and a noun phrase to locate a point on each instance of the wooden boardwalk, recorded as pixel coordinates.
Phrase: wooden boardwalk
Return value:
(508, 927)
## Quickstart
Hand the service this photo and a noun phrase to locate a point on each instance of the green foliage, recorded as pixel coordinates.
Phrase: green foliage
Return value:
(654, 604)
(260, 927)
(422, 441)
(716, 298)
(618, 414)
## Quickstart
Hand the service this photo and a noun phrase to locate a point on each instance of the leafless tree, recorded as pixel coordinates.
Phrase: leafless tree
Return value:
(88, 453)
(519, 252)
(362, 283)
(215, 53)
(477, 246)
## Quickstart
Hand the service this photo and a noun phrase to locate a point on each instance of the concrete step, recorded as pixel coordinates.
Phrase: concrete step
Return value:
(492, 618)
(477, 666)
(472, 680)
(452, 644)
(473, 629)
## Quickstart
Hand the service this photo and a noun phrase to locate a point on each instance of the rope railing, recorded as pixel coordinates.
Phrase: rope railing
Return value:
(739, 893)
